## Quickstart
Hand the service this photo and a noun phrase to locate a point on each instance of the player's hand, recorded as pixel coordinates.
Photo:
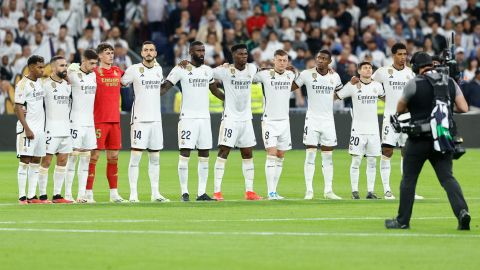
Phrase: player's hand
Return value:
(292, 69)
(395, 123)
(354, 80)
(225, 65)
(331, 70)
(29, 134)
(300, 102)
(74, 67)
(183, 64)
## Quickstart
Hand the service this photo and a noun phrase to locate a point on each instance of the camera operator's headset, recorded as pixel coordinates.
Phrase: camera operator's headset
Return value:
(420, 60)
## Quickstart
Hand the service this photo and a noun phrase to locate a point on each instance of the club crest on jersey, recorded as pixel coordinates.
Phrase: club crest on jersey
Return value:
(189, 69)
(359, 86)
(100, 71)
(408, 77)
(232, 70)
(314, 76)
(141, 69)
(390, 72)
(80, 76)
(272, 74)
(54, 87)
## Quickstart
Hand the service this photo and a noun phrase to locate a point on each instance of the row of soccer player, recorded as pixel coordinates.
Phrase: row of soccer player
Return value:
(81, 119)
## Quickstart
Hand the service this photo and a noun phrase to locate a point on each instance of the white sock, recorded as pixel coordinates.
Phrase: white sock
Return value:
(32, 179)
(22, 179)
(270, 172)
(154, 173)
(83, 173)
(183, 173)
(114, 193)
(248, 170)
(278, 172)
(401, 166)
(327, 169)
(89, 194)
(202, 175)
(309, 167)
(71, 163)
(135, 157)
(355, 171)
(371, 173)
(42, 180)
(58, 177)
(385, 173)
(219, 171)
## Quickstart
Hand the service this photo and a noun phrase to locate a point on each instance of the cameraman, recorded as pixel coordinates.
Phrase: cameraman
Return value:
(418, 97)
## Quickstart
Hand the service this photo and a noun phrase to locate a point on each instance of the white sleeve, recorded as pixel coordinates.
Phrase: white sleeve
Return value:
(346, 91)
(210, 76)
(338, 82)
(218, 73)
(377, 76)
(20, 92)
(127, 77)
(299, 81)
(258, 78)
(382, 91)
(175, 75)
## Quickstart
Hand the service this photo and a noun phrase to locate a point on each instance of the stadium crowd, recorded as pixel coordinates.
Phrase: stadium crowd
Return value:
(353, 31)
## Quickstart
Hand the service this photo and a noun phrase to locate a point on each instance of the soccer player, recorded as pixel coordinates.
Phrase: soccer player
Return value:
(277, 85)
(393, 78)
(365, 137)
(57, 129)
(82, 130)
(146, 120)
(319, 124)
(194, 129)
(30, 129)
(107, 121)
(236, 129)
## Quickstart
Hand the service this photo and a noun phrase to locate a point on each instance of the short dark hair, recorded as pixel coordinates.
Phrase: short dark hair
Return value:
(56, 58)
(104, 46)
(196, 43)
(280, 52)
(238, 47)
(90, 54)
(364, 63)
(398, 46)
(35, 59)
(148, 42)
(327, 52)
(63, 26)
(22, 19)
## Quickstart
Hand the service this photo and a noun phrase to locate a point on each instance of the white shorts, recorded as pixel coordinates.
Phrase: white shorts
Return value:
(364, 145)
(236, 134)
(84, 138)
(59, 145)
(319, 132)
(195, 133)
(147, 135)
(31, 148)
(390, 137)
(276, 133)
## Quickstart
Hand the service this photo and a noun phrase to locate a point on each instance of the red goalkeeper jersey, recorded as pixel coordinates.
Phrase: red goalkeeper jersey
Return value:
(107, 98)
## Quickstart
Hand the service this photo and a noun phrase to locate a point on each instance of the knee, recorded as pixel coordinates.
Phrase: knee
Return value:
(281, 154)
(203, 153)
(356, 161)
(387, 152)
(223, 152)
(185, 153)
(154, 158)
(247, 154)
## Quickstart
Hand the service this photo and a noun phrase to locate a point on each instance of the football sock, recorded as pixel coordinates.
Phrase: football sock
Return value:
(371, 173)
(42, 180)
(278, 172)
(91, 174)
(270, 172)
(135, 157)
(58, 177)
(219, 171)
(71, 163)
(355, 172)
(202, 175)
(83, 172)
(112, 173)
(248, 173)
(183, 173)
(309, 167)
(22, 179)
(385, 172)
(32, 179)
(154, 172)
(327, 169)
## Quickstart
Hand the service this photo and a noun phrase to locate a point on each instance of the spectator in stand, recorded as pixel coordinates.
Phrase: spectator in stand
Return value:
(328, 19)
(100, 24)
(439, 43)
(71, 18)
(38, 40)
(293, 12)
(245, 10)
(256, 21)
(378, 57)
(469, 73)
(370, 18)
(343, 18)
(228, 21)
(287, 46)
(134, 17)
(6, 72)
(473, 10)
(181, 48)
(87, 41)
(9, 48)
(286, 31)
(121, 58)
(227, 44)
(273, 43)
(212, 48)
(175, 15)
(270, 26)
(298, 41)
(428, 46)
(240, 35)
(299, 61)
(21, 62)
(4, 95)
(51, 22)
(185, 26)
(65, 42)
(7, 22)
(211, 27)
(114, 37)
(21, 34)
(254, 40)
(413, 31)
(471, 91)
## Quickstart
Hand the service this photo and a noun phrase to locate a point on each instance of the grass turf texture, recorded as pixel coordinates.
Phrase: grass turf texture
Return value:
(236, 234)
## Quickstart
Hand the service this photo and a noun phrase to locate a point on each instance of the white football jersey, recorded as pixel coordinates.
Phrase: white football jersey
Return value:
(84, 87)
(146, 86)
(364, 100)
(30, 94)
(320, 91)
(57, 107)
(276, 93)
(236, 84)
(195, 83)
(393, 82)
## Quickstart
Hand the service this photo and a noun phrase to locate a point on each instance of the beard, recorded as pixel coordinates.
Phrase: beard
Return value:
(197, 59)
(62, 75)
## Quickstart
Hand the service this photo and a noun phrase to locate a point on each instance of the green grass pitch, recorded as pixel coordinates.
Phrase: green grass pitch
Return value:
(236, 234)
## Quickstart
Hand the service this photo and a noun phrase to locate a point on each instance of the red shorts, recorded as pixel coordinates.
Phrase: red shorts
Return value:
(109, 136)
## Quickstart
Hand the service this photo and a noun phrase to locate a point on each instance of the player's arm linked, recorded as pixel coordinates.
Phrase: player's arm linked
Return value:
(216, 92)
(165, 87)
(20, 112)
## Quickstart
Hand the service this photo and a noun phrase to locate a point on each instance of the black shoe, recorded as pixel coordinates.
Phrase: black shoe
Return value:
(205, 197)
(393, 224)
(56, 197)
(372, 196)
(355, 195)
(464, 220)
(185, 197)
(43, 197)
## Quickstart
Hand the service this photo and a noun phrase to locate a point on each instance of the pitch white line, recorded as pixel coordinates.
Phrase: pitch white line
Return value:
(318, 234)
(207, 220)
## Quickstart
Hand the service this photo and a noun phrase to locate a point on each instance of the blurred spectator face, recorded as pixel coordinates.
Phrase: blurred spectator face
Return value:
(232, 14)
(66, 4)
(229, 35)
(257, 10)
(300, 24)
(287, 45)
(427, 44)
(62, 33)
(88, 33)
(292, 3)
(95, 12)
(372, 46)
(467, 26)
(285, 23)
(270, 21)
(280, 62)
(182, 39)
(460, 56)
(212, 22)
(13, 5)
(298, 34)
(49, 13)
(183, 4)
(412, 23)
(238, 26)
(272, 36)
(38, 37)
(431, 7)
(118, 50)
(300, 53)
(5, 11)
(459, 28)
(26, 51)
(310, 63)
(212, 39)
(256, 35)
(60, 52)
(367, 37)
(22, 24)
(38, 15)
(448, 24)
(8, 38)
(315, 33)
(115, 33)
(398, 29)
(245, 4)
(345, 54)
(352, 69)
(434, 27)
(365, 71)
(313, 14)
(5, 60)
(184, 16)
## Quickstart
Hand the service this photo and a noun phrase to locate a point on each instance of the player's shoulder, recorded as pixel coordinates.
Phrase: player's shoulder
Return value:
(252, 68)
(376, 84)
(307, 71)
(22, 83)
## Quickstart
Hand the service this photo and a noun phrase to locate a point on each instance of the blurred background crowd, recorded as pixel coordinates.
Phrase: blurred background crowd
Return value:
(352, 30)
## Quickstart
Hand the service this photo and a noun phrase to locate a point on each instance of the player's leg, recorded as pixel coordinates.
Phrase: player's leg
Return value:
(89, 142)
(269, 136)
(187, 130)
(33, 174)
(138, 139)
(94, 155)
(183, 159)
(328, 140)
(71, 164)
(155, 144)
(278, 171)
(311, 141)
(246, 141)
(24, 152)
(113, 144)
(83, 163)
(284, 144)
(203, 144)
(385, 169)
(58, 178)
(356, 150)
(372, 151)
(219, 166)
